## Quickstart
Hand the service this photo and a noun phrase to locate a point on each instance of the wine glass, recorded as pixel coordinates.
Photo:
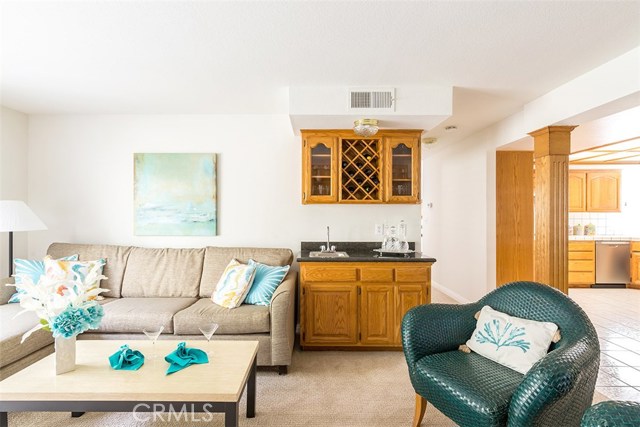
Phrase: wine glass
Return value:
(208, 329)
(153, 334)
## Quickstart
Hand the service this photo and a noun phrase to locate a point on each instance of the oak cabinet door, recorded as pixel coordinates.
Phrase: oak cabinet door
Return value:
(635, 268)
(603, 191)
(577, 191)
(331, 312)
(377, 320)
(319, 169)
(407, 296)
(403, 170)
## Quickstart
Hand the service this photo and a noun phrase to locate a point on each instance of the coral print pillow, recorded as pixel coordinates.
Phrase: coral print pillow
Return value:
(511, 341)
(234, 284)
(73, 270)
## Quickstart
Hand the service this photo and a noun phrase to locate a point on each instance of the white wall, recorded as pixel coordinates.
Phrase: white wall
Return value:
(13, 176)
(81, 182)
(460, 231)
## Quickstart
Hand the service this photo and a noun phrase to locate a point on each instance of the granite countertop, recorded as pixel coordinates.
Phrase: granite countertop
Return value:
(358, 252)
(597, 237)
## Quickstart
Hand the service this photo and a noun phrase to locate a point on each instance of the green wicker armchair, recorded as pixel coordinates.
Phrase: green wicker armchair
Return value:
(613, 413)
(475, 391)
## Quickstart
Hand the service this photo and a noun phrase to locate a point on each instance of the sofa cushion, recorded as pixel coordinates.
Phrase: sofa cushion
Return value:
(163, 273)
(116, 257)
(11, 331)
(246, 319)
(136, 314)
(216, 260)
(477, 388)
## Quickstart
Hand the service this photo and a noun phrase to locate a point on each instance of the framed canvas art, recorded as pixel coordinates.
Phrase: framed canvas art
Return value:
(175, 194)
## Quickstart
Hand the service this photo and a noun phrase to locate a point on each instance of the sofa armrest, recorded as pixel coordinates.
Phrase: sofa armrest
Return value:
(6, 291)
(436, 328)
(282, 314)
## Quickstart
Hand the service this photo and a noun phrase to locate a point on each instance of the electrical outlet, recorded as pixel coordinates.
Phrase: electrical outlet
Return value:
(378, 230)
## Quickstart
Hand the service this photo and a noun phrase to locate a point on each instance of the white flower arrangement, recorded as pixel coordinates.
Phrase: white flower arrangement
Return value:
(65, 307)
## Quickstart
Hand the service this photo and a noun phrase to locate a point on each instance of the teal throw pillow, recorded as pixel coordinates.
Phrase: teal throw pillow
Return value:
(265, 283)
(33, 268)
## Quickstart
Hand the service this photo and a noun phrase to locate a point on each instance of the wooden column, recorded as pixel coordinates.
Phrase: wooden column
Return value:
(514, 216)
(551, 148)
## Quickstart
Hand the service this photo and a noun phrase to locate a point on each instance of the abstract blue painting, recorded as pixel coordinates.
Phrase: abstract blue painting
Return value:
(175, 194)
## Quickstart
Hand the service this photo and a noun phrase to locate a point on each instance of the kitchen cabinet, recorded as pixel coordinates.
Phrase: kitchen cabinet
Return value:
(582, 264)
(603, 191)
(319, 169)
(577, 191)
(341, 167)
(356, 305)
(403, 169)
(594, 190)
(333, 308)
(635, 265)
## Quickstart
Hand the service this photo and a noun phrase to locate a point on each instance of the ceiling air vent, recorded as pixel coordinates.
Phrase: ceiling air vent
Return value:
(378, 99)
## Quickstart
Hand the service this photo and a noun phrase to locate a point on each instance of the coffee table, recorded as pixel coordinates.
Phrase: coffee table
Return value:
(95, 387)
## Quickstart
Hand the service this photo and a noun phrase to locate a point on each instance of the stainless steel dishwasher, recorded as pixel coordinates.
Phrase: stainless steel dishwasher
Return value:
(612, 264)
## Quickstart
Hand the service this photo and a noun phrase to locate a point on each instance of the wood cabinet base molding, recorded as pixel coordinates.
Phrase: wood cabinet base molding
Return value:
(359, 306)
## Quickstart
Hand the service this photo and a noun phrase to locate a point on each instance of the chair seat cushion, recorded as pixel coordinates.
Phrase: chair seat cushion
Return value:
(246, 319)
(468, 388)
(136, 314)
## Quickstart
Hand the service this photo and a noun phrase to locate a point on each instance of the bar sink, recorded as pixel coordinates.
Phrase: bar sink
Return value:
(319, 254)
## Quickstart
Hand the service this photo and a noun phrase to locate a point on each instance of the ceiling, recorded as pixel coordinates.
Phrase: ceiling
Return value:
(619, 153)
(196, 57)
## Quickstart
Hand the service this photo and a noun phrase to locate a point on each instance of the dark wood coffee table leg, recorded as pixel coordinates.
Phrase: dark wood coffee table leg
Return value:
(76, 414)
(4, 419)
(231, 415)
(251, 391)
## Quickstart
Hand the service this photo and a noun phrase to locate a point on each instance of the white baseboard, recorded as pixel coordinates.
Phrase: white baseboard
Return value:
(448, 292)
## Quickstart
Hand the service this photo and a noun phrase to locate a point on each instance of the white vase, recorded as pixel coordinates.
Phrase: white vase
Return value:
(65, 355)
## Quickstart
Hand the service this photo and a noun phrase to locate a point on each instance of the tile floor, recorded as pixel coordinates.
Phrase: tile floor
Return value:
(616, 316)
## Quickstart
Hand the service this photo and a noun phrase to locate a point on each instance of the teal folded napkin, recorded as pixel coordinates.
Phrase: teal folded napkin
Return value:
(183, 357)
(126, 359)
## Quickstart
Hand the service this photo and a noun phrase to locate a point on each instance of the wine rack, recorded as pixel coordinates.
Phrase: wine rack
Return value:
(361, 170)
(339, 166)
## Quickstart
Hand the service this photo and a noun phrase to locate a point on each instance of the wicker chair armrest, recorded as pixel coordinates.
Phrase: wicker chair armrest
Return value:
(556, 385)
(614, 413)
(435, 328)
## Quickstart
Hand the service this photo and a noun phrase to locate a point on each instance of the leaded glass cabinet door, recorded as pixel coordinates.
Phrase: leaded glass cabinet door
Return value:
(403, 170)
(319, 169)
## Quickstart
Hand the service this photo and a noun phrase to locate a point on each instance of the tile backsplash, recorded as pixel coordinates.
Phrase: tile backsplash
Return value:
(607, 224)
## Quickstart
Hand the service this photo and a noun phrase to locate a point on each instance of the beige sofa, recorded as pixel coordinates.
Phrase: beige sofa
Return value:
(169, 287)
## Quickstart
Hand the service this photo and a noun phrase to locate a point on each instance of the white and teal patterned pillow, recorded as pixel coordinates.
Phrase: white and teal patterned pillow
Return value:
(265, 283)
(33, 268)
(56, 269)
(234, 284)
(511, 341)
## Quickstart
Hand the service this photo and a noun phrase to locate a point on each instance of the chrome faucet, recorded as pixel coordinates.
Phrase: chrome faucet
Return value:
(328, 247)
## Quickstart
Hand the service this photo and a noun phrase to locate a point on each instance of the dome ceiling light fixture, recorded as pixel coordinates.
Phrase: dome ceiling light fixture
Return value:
(365, 127)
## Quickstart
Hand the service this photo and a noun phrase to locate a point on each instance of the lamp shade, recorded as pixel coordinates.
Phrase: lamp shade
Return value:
(15, 215)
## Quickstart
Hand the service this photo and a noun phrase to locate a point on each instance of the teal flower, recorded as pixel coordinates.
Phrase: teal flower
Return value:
(76, 320)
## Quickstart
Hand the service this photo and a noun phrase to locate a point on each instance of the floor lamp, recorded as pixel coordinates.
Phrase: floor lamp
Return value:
(15, 215)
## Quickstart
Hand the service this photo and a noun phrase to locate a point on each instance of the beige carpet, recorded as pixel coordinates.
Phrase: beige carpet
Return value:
(322, 389)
